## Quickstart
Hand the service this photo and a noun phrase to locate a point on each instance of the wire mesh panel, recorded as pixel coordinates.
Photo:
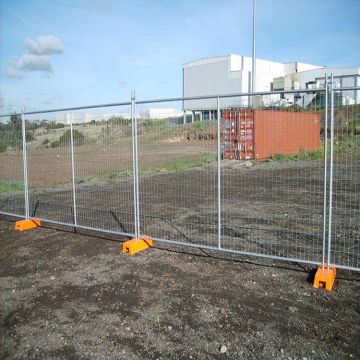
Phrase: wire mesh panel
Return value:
(345, 245)
(178, 172)
(272, 178)
(104, 169)
(49, 166)
(11, 166)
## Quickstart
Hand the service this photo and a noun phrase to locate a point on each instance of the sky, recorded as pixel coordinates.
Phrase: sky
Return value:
(64, 53)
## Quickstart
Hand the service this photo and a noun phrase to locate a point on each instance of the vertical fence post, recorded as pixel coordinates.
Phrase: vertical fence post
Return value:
(134, 161)
(25, 167)
(219, 171)
(137, 168)
(331, 169)
(73, 169)
(325, 173)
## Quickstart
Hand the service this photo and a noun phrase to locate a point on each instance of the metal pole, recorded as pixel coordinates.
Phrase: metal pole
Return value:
(219, 171)
(73, 169)
(331, 168)
(25, 167)
(325, 171)
(137, 168)
(253, 71)
(133, 135)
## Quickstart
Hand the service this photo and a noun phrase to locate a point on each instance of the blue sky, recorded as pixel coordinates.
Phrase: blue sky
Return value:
(63, 53)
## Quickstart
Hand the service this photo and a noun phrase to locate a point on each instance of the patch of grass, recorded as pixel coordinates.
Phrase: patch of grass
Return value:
(11, 186)
(113, 175)
(301, 155)
(83, 180)
(347, 148)
(180, 165)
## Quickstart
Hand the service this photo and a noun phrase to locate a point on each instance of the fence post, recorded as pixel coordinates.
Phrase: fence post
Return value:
(25, 167)
(325, 172)
(137, 168)
(134, 160)
(219, 170)
(331, 168)
(73, 169)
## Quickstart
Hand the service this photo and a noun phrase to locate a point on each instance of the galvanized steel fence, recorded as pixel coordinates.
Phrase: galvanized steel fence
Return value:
(270, 180)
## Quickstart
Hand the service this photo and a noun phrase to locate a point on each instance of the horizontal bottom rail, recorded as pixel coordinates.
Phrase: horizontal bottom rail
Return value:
(192, 245)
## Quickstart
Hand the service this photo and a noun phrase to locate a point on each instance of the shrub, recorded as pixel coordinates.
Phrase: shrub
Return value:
(3, 147)
(30, 136)
(78, 137)
(55, 144)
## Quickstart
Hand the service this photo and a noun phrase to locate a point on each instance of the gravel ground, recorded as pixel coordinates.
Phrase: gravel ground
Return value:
(67, 295)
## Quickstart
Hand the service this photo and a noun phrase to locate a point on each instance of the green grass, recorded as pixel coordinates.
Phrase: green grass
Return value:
(345, 148)
(348, 148)
(301, 155)
(170, 166)
(179, 165)
(113, 175)
(11, 186)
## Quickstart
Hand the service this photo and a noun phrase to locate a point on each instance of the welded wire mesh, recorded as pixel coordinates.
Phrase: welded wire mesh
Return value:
(104, 169)
(177, 173)
(273, 179)
(345, 242)
(49, 166)
(11, 166)
(236, 173)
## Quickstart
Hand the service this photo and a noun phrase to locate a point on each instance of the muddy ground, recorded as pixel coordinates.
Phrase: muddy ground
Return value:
(74, 296)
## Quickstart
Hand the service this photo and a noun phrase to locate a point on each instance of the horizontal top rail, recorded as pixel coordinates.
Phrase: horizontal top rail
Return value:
(188, 98)
(69, 109)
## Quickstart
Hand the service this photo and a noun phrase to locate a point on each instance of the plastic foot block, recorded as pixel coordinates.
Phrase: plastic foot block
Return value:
(325, 277)
(27, 224)
(134, 246)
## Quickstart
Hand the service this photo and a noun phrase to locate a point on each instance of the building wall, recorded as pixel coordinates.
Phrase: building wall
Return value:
(232, 75)
(226, 75)
(161, 113)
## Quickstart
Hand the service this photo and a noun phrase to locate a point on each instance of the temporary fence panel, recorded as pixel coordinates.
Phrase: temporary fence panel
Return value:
(274, 207)
(49, 166)
(178, 197)
(345, 216)
(11, 166)
(233, 173)
(103, 169)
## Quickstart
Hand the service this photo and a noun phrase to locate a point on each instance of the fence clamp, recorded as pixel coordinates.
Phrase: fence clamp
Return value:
(134, 246)
(27, 224)
(325, 277)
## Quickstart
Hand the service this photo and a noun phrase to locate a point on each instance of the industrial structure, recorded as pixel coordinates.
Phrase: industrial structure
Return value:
(231, 74)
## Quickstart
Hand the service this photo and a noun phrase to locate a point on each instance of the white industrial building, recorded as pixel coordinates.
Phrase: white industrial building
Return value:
(160, 113)
(85, 117)
(232, 74)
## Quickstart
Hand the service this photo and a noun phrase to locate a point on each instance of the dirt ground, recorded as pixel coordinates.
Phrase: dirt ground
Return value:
(67, 295)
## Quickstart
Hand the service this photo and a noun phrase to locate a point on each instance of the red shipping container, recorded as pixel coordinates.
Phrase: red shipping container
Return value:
(260, 134)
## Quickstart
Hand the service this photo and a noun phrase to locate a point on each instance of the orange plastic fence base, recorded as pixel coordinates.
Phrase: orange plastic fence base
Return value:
(325, 277)
(23, 225)
(134, 246)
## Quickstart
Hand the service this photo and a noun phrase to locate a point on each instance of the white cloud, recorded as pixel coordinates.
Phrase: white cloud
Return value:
(11, 72)
(35, 57)
(44, 45)
(29, 62)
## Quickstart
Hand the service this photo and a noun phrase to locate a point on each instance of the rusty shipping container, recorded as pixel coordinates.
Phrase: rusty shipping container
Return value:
(260, 134)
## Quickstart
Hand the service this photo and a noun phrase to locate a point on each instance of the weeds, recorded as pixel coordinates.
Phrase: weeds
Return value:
(11, 186)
